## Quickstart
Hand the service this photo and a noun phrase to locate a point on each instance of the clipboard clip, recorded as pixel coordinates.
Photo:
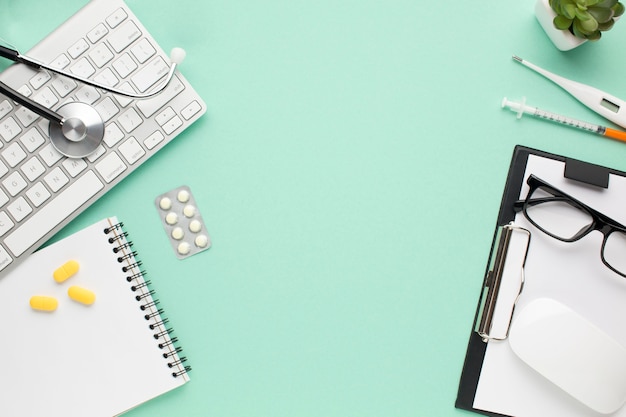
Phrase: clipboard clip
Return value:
(493, 281)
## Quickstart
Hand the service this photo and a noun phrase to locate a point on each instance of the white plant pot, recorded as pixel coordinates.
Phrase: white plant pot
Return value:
(562, 39)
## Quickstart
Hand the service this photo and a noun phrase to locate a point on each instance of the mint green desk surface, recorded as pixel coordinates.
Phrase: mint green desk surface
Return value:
(350, 169)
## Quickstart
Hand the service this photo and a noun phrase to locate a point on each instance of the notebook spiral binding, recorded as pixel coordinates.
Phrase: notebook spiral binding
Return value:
(149, 305)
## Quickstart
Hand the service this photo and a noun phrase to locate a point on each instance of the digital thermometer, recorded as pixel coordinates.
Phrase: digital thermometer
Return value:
(606, 105)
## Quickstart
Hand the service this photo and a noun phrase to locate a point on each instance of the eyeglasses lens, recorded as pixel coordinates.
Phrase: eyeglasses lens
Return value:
(555, 215)
(615, 251)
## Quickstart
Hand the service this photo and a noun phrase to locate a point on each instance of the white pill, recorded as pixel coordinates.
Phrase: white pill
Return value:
(195, 226)
(165, 203)
(201, 241)
(189, 211)
(184, 248)
(171, 218)
(178, 233)
(183, 196)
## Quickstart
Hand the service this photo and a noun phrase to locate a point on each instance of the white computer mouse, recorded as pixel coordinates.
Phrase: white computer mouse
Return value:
(572, 353)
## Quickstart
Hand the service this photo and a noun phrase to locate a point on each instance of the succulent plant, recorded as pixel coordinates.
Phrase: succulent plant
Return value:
(586, 19)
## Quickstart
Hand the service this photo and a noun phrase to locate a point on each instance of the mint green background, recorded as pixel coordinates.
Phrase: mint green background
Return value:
(350, 168)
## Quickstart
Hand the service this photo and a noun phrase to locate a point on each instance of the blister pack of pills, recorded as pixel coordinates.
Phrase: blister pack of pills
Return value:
(182, 222)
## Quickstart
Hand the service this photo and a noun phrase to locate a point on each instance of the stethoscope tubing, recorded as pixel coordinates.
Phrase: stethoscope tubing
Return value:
(31, 105)
(15, 56)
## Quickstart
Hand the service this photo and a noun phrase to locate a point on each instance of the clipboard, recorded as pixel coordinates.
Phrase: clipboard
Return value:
(487, 352)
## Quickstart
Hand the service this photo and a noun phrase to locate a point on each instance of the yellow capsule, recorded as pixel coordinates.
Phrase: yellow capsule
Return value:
(82, 295)
(43, 303)
(65, 271)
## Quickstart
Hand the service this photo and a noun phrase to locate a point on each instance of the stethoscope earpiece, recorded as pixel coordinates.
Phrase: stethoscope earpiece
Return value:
(80, 132)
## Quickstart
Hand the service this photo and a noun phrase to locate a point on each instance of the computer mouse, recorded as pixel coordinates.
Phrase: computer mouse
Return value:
(572, 353)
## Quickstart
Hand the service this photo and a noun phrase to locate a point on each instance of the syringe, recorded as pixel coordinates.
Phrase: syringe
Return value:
(521, 108)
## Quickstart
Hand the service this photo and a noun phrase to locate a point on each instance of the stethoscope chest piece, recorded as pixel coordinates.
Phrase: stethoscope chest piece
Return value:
(80, 133)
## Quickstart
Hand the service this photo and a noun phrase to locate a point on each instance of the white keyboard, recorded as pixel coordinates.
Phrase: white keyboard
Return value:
(41, 190)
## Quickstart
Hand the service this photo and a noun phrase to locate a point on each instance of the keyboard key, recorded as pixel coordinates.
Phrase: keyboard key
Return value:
(116, 18)
(46, 97)
(151, 105)
(56, 179)
(153, 140)
(130, 120)
(131, 150)
(25, 91)
(147, 76)
(3, 171)
(111, 167)
(4, 198)
(74, 166)
(191, 110)
(9, 129)
(143, 51)
(13, 154)
(6, 223)
(107, 109)
(25, 116)
(19, 209)
(123, 101)
(165, 116)
(50, 155)
(5, 258)
(78, 48)
(32, 139)
(33, 169)
(5, 108)
(97, 33)
(124, 65)
(172, 124)
(38, 194)
(40, 79)
(44, 125)
(87, 94)
(63, 86)
(83, 68)
(100, 150)
(126, 34)
(60, 62)
(14, 183)
(52, 214)
(101, 55)
(107, 78)
(112, 135)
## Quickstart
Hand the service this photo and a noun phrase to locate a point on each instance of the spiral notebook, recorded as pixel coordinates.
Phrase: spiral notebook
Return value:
(85, 360)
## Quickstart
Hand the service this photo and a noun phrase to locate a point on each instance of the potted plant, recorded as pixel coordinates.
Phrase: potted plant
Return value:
(569, 23)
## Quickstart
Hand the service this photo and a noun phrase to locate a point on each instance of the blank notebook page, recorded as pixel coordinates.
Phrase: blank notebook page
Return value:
(79, 360)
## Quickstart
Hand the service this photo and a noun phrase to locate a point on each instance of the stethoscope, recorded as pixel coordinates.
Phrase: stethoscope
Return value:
(76, 129)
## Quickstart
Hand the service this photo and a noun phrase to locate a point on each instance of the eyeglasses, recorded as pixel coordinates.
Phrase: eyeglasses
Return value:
(562, 217)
